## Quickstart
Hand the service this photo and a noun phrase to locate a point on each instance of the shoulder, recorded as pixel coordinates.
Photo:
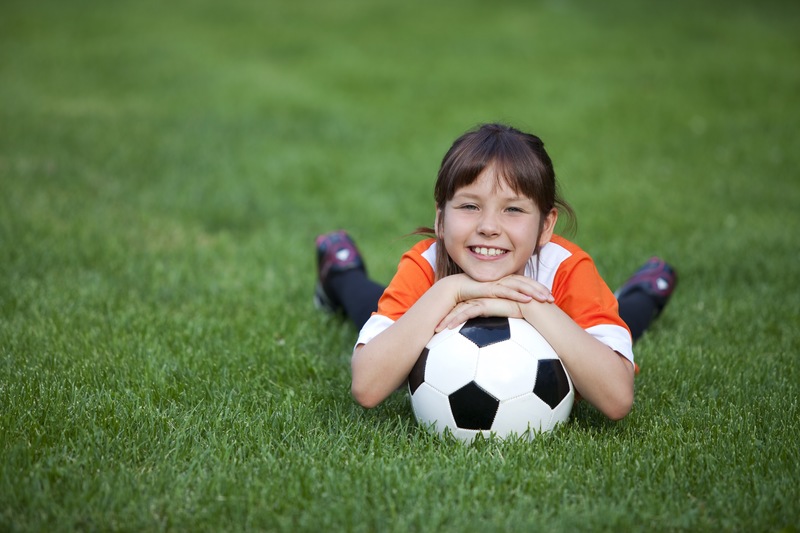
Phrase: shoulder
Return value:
(414, 276)
(580, 292)
(422, 253)
(424, 247)
(557, 242)
(558, 257)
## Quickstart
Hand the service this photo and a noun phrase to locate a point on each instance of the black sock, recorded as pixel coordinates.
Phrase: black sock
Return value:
(637, 309)
(356, 293)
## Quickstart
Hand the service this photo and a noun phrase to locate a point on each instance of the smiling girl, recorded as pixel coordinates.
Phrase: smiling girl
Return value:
(494, 254)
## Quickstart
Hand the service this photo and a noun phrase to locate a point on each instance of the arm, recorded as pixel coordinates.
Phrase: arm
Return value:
(382, 365)
(602, 376)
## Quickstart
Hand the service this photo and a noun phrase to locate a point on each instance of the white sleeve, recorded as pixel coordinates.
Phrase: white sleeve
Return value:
(615, 337)
(374, 327)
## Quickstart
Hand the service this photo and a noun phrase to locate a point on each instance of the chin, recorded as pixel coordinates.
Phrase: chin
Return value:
(487, 276)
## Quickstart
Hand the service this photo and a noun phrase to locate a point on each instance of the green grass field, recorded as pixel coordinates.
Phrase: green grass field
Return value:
(165, 167)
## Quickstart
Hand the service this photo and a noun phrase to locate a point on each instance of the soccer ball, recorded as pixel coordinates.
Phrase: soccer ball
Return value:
(490, 376)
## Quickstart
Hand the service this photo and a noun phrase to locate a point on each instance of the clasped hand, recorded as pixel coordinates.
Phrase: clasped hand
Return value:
(502, 297)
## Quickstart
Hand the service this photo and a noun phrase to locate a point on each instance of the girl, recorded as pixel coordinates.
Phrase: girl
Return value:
(494, 254)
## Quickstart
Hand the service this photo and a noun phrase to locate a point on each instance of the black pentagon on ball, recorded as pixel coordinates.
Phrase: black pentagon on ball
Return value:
(552, 383)
(473, 407)
(484, 331)
(417, 375)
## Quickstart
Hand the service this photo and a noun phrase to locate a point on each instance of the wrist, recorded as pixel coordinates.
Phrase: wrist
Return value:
(538, 313)
(450, 288)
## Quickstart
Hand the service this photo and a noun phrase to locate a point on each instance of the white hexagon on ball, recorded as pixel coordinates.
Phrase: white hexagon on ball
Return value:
(526, 407)
(433, 406)
(506, 370)
(448, 373)
(529, 338)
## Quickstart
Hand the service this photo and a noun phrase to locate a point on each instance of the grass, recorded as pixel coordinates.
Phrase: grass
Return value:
(164, 169)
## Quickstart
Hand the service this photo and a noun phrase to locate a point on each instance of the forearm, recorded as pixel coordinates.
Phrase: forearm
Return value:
(383, 364)
(600, 375)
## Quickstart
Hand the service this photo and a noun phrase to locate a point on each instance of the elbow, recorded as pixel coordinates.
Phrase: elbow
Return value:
(619, 397)
(364, 388)
(618, 413)
(359, 387)
(364, 397)
(619, 407)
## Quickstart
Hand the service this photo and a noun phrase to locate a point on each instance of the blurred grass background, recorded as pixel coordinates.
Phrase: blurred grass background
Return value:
(164, 169)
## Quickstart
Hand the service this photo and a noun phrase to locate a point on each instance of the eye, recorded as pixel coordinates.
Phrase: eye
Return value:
(514, 209)
(468, 207)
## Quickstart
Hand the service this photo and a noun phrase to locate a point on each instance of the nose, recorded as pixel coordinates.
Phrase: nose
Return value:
(488, 225)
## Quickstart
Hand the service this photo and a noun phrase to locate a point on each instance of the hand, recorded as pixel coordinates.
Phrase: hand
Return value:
(496, 298)
(514, 287)
(464, 311)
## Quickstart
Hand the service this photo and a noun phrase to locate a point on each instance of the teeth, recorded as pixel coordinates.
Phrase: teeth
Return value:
(489, 251)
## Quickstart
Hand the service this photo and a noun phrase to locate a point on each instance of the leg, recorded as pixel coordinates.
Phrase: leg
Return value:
(637, 310)
(643, 297)
(357, 294)
(343, 285)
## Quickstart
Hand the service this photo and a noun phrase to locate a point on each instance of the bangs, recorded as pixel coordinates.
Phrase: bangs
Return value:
(515, 165)
(523, 176)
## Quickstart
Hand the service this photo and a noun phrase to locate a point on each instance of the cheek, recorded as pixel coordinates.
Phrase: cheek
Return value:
(451, 239)
(451, 228)
(528, 237)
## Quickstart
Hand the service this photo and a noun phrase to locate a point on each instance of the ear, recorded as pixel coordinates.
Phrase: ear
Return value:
(436, 222)
(548, 226)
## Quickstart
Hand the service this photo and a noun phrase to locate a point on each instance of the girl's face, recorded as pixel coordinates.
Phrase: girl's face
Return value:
(490, 231)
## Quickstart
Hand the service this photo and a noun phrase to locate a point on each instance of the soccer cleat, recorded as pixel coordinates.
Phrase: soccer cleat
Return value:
(336, 252)
(323, 302)
(655, 278)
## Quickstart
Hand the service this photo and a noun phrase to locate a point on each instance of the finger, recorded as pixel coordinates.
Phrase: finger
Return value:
(529, 287)
(458, 315)
(520, 293)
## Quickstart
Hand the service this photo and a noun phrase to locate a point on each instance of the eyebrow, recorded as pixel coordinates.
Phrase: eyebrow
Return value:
(472, 196)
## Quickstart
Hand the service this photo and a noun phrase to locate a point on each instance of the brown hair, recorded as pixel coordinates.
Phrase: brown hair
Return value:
(520, 160)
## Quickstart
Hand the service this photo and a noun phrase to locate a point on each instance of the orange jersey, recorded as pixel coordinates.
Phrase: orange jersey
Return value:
(562, 267)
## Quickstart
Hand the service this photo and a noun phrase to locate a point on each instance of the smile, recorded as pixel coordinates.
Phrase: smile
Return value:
(489, 252)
